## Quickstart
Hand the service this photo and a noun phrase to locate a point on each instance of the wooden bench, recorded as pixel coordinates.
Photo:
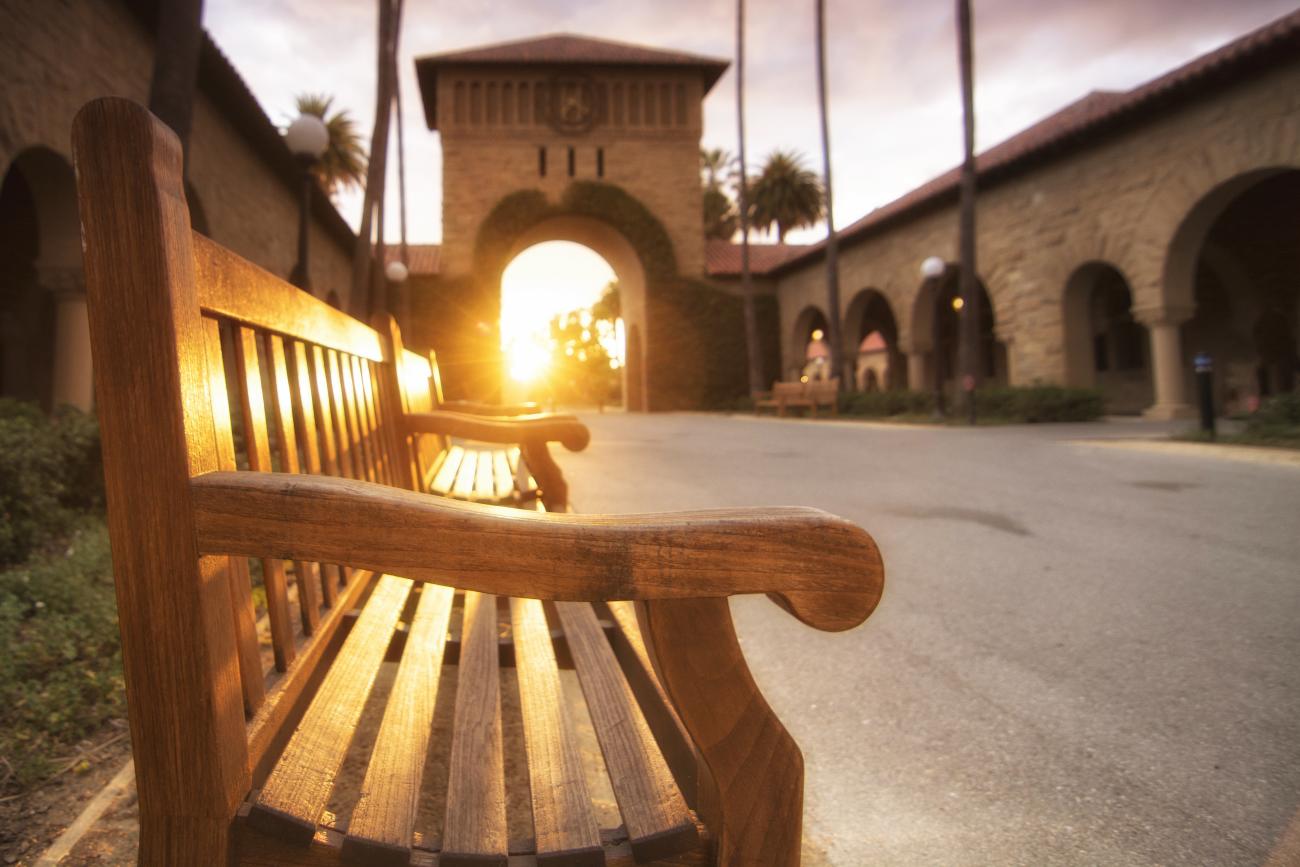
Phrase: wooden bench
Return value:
(385, 717)
(801, 395)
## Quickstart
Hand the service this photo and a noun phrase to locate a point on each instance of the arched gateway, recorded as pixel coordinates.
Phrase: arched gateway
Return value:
(567, 138)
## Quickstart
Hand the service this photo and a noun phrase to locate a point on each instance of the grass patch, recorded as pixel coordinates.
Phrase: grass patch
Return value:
(60, 655)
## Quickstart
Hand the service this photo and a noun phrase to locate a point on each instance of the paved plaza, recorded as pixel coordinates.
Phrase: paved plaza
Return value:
(1085, 654)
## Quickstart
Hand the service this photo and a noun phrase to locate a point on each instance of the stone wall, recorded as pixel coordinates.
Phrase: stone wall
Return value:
(1127, 198)
(55, 57)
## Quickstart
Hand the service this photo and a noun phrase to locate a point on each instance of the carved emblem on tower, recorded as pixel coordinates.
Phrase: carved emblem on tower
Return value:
(572, 103)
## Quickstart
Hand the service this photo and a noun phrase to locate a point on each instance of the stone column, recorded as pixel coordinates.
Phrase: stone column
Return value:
(73, 383)
(918, 371)
(1164, 324)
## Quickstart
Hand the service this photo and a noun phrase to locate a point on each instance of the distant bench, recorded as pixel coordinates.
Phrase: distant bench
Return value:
(206, 367)
(800, 395)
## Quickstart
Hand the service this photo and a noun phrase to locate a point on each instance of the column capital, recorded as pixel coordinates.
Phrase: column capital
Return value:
(1161, 314)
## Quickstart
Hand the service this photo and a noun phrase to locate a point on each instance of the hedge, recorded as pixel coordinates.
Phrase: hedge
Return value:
(1029, 404)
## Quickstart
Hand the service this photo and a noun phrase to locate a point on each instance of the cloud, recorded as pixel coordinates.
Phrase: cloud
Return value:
(895, 116)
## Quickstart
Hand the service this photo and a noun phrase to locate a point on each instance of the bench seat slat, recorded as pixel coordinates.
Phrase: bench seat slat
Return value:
(505, 477)
(563, 821)
(382, 825)
(658, 821)
(464, 486)
(447, 471)
(475, 827)
(485, 489)
(295, 794)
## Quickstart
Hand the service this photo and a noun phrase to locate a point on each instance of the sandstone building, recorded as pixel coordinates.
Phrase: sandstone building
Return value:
(243, 187)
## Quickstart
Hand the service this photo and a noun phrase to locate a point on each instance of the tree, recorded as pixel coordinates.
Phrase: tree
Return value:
(583, 368)
(176, 66)
(720, 217)
(753, 351)
(343, 166)
(787, 194)
(838, 363)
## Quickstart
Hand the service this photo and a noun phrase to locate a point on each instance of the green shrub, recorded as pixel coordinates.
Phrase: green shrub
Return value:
(1033, 403)
(1039, 403)
(50, 469)
(60, 657)
(1278, 414)
(883, 404)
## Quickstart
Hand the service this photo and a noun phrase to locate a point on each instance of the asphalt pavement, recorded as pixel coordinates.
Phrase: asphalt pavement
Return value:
(1085, 654)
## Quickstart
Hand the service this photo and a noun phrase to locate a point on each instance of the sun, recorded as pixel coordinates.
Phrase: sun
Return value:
(541, 282)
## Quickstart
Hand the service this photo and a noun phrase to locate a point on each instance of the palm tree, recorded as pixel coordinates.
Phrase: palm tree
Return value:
(787, 194)
(753, 351)
(832, 241)
(720, 217)
(343, 165)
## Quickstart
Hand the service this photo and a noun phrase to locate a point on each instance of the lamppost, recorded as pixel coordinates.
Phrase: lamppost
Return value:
(397, 272)
(307, 138)
(932, 269)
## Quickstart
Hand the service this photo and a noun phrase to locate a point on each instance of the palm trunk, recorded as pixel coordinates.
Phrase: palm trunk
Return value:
(752, 346)
(832, 241)
(362, 300)
(176, 66)
(969, 287)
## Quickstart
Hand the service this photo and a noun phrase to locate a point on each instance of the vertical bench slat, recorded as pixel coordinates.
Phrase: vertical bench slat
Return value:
(383, 822)
(347, 454)
(381, 444)
(326, 413)
(657, 818)
(475, 828)
(296, 792)
(563, 821)
(259, 460)
(357, 418)
(251, 679)
(306, 574)
(395, 457)
(304, 418)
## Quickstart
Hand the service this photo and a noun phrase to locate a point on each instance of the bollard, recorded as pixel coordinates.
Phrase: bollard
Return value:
(1205, 390)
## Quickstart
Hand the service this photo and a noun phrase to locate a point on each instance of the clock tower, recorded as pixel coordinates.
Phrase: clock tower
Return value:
(561, 118)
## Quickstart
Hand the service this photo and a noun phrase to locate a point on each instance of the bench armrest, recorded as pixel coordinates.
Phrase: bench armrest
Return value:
(821, 568)
(509, 430)
(474, 407)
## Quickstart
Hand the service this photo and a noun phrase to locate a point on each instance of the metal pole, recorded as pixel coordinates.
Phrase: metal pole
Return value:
(971, 349)
(300, 276)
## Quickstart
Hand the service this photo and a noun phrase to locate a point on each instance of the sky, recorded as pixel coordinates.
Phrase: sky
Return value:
(894, 107)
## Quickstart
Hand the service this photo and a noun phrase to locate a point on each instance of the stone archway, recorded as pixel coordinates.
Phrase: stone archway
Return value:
(807, 344)
(870, 312)
(935, 334)
(46, 337)
(1105, 346)
(611, 245)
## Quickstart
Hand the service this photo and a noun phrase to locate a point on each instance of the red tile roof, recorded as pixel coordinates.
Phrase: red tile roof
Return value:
(559, 49)
(421, 259)
(722, 258)
(1091, 117)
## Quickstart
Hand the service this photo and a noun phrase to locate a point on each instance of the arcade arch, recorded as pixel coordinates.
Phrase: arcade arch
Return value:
(879, 362)
(936, 335)
(44, 330)
(1106, 347)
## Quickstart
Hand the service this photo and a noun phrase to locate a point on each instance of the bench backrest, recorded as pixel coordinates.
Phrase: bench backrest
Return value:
(787, 389)
(205, 362)
(823, 390)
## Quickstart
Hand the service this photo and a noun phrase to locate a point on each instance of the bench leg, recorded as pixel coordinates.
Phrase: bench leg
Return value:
(555, 491)
(756, 804)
